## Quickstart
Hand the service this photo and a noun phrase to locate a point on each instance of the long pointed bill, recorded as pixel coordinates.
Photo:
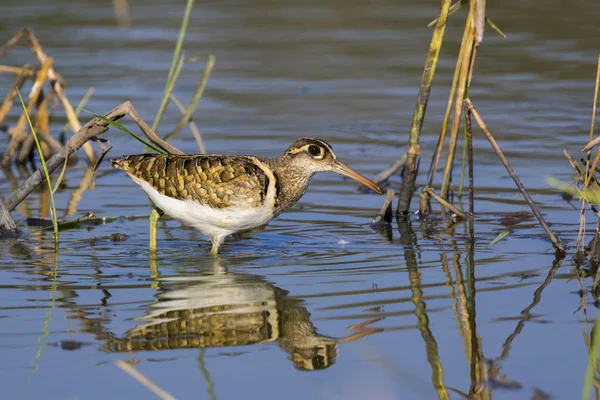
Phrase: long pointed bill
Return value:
(340, 168)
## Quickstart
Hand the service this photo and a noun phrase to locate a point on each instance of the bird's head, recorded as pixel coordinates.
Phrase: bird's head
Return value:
(315, 155)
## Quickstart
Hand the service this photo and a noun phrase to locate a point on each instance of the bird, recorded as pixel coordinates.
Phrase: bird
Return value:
(222, 308)
(224, 194)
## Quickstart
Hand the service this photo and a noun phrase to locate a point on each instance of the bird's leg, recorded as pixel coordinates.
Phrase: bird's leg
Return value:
(154, 217)
(217, 241)
(215, 249)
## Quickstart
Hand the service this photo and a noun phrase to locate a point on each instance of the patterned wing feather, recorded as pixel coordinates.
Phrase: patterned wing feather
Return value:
(214, 180)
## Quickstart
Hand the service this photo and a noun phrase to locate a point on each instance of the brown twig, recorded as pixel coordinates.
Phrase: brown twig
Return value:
(90, 130)
(451, 11)
(385, 213)
(150, 134)
(495, 27)
(92, 183)
(432, 193)
(390, 170)
(424, 198)
(8, 228)
(555, 242)
(10, 43)
(9, 69)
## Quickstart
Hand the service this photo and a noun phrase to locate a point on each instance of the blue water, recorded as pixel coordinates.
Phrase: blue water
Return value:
(319, 305)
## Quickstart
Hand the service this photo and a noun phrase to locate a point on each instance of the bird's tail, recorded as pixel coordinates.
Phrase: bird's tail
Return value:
(120, 163)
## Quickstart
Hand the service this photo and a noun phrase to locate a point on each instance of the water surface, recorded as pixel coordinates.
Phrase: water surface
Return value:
(318, 305)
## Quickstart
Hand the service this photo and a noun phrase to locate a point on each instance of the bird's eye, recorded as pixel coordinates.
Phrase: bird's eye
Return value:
(314, 150)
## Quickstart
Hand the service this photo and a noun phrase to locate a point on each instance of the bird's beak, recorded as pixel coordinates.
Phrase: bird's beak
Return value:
(343, 169)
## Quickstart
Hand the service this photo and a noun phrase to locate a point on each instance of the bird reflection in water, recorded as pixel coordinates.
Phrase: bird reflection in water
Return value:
(225, 309)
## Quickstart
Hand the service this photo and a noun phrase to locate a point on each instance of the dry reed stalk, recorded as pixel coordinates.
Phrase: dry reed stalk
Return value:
(474, 29)
(73, 120)
(409, 175)
(26, 72)
(440, 144)
(18, 135)
(135, 374)
(82, 103)
(42, 125)
(93, 128)
(589, 171)
(56, 81)
(555, 242)
(42, 129)
(478, 19)
(460, 95)
(9, 69)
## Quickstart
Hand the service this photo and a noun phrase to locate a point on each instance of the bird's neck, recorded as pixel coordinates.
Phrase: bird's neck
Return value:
(291, 183)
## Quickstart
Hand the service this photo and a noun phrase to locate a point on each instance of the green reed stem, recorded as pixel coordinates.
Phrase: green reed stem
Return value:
(176, 57)
(187, 115)
(46, 173)
(407, 188)
(590, 370)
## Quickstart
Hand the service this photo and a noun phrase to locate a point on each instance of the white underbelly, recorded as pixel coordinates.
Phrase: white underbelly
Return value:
(213, 222)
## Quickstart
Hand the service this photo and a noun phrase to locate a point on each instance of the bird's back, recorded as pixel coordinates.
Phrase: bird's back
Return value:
(214, 180)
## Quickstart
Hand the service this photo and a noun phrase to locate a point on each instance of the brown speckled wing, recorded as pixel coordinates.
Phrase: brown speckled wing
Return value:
(214, 180)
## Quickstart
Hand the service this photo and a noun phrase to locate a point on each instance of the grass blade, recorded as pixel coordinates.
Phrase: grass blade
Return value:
(498, 238)
(43, 160)
(127, 131)
(176, 57)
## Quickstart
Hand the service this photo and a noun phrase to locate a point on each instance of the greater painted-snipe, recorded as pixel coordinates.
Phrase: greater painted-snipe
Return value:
(221, 194)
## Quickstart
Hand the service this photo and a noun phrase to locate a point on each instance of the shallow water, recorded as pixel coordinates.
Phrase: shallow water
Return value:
(318, 305)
